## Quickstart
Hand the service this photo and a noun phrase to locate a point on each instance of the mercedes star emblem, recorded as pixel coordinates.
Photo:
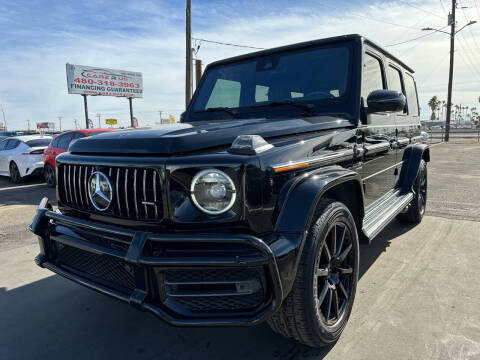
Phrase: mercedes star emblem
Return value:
(100, 191)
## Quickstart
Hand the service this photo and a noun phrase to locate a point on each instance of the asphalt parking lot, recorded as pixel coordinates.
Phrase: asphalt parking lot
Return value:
(418, 295)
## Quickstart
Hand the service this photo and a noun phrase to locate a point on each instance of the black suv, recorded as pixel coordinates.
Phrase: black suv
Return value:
(252, 208)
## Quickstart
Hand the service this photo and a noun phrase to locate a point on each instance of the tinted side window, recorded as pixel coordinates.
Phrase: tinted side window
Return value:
(12, 144)
(3, 144)
(55, 141)
(64, 141)
(372, 75)
(394, 79)
(412, 98)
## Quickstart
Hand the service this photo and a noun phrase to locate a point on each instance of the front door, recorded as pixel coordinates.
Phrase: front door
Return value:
(378, 135)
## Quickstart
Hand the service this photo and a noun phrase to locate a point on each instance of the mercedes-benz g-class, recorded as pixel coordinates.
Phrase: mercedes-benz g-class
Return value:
(251, 208)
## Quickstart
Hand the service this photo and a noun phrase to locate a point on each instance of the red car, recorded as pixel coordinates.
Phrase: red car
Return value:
(59, 145)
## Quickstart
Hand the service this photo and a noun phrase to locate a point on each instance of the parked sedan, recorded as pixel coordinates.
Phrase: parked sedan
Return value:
(59, 145)
(22, 155)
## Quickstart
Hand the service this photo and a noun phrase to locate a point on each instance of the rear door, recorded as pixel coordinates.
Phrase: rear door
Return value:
(378, 169)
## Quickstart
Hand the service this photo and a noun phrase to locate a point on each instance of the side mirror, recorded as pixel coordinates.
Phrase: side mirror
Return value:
(386, 101)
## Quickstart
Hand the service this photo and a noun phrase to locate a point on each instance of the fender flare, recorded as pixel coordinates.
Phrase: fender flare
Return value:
(412, 156)
(304, 193)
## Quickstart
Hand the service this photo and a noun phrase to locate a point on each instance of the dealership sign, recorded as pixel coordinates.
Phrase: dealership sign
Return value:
(90, 80)
(111, 121)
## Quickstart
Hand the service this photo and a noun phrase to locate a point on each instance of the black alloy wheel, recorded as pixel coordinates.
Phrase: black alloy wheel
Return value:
(15, 176)
(416, 208)
(317, 309)
(334, 271)
(49, 175)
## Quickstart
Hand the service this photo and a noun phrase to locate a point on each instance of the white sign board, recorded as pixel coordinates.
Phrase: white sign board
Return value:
(90, 80)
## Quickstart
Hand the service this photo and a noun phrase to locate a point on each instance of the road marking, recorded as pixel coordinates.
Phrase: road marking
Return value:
(21, 187)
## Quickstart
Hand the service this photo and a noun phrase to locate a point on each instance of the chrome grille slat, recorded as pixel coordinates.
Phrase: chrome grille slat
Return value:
(86, 186)
(80, 184)
(146, 183)
(145, 192)
(70, 182)
(74, 180)
(155, 193)
(126, 192)
(135, 191)
(118, 191)
(65, 182)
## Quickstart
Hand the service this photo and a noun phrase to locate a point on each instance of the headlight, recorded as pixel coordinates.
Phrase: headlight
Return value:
(213, 192)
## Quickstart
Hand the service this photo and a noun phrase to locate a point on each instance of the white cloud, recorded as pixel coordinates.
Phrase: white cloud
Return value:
(33, 84)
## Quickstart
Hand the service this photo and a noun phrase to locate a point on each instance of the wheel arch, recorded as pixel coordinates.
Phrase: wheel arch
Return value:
(305, 192)
(412, 157)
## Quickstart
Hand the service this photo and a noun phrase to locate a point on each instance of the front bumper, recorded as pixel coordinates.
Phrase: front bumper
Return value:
(177, 277)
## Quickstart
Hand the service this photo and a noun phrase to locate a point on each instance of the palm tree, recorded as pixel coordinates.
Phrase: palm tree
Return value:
(433, 103)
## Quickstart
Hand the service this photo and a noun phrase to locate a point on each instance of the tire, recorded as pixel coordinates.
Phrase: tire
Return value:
(303, 315)
(49, 175)
(15, 176)
(416, 208)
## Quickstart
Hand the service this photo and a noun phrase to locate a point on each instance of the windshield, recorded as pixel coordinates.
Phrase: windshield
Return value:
(318, 76)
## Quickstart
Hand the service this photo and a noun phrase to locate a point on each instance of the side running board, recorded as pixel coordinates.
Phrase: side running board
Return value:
(381, 212)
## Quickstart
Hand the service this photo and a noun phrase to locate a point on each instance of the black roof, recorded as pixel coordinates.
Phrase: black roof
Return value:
(335, 39)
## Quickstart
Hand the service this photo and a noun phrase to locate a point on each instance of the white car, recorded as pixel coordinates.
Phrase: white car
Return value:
(22, 155)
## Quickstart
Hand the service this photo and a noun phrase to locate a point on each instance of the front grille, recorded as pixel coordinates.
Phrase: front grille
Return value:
(136, 191)
(214, 290)
(107, 268)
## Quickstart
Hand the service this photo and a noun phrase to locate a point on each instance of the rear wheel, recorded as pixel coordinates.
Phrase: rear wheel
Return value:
(49, 175)
(15, 176)
(416, 209)
(317, 309)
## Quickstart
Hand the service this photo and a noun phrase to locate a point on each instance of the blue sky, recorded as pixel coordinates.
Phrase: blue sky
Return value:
(39, 37)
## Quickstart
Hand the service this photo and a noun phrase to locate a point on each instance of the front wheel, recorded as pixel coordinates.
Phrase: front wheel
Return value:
(317, 309)
(49, 174)
(416, 209)
(15, 176)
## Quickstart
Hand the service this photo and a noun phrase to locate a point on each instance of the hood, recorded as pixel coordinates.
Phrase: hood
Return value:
(187, 137)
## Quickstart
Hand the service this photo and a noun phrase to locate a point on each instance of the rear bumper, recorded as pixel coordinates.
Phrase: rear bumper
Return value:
(168, 274)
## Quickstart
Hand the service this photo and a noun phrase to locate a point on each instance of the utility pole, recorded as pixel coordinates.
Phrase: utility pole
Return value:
(188, 49)
(160, 115)
(451, 19)
(76, 123)
(198, 71)
(99, 116)
(453, 32)
(60, 120)
(5, 120)
(28, 125)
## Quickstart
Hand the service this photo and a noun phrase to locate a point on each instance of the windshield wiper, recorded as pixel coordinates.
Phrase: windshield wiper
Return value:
(309, 108)
(233, 113)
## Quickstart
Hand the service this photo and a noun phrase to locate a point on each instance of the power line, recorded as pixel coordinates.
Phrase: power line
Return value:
(228, 44)
(419, 37)
(435, 68)
(419, 8)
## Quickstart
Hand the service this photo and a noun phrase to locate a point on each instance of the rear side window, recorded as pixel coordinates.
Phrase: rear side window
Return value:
(38, 142)
(412, 98)
(372, 75)
(3, 144)
(394, 79)
(64, 140)
(12, 144)
(55, 142)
